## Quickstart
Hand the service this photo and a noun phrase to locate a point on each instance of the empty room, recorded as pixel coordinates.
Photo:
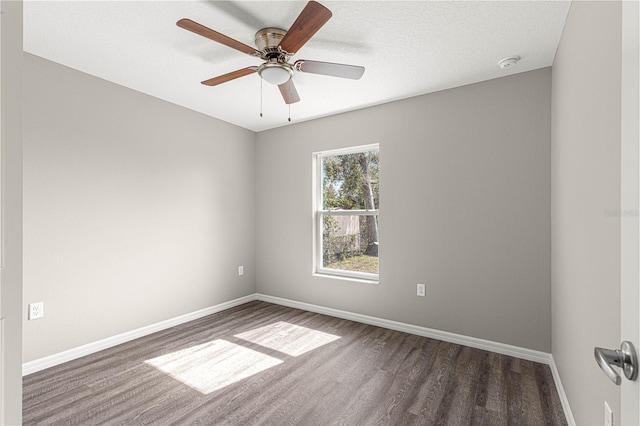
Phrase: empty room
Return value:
(317, 213)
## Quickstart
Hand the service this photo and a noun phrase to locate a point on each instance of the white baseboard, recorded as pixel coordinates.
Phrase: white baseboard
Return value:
(71, 354)
(474, 342)
(561, 393)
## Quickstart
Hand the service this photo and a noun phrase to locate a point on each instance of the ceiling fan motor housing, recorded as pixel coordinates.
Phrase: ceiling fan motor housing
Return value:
(267, 41)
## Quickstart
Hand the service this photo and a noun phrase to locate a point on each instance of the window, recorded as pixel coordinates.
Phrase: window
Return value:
(347, 206)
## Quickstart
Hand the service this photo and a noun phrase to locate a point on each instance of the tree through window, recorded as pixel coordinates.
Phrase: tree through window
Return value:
(347, 214)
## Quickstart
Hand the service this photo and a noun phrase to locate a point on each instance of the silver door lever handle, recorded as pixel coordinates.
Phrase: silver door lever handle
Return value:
(624, 358)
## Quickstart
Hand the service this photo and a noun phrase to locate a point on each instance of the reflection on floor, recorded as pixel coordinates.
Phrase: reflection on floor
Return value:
(210, 366)
(287, 338)
(214, 365)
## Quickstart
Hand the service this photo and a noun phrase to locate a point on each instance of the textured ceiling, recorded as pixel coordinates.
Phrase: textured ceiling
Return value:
(408, 48)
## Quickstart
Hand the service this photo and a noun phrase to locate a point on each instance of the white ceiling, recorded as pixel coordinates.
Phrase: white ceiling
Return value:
(408, 48)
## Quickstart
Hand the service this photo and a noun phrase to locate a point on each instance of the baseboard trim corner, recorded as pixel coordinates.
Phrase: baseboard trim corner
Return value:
(75, 353)
(561, 393)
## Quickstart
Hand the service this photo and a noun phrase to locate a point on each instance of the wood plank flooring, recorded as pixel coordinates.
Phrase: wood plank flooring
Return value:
(264, 364)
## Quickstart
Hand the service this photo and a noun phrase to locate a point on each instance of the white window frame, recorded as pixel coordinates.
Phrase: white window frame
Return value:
(318, 269)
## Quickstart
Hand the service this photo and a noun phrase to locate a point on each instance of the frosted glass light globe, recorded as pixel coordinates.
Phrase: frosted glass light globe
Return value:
(275, 75)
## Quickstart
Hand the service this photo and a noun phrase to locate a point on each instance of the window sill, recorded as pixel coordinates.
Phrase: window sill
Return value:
(346, 278)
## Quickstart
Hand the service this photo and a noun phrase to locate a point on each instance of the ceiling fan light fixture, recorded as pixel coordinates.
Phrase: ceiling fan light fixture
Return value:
(275, 73)
(276, 46)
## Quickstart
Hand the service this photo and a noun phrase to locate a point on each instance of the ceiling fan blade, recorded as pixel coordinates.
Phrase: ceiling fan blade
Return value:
(230, 76)
(200, 29)
(311, 19)
(289, 92)
(328, 68)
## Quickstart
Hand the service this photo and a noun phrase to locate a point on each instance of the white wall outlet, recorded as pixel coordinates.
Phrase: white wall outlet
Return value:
(240, 270)
(608, 415)
(421, 290)
(36, 310)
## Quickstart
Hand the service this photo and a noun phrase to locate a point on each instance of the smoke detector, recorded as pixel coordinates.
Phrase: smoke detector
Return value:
(508, 63)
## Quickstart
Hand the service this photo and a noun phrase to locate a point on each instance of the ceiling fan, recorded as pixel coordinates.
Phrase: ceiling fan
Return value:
(276, 47)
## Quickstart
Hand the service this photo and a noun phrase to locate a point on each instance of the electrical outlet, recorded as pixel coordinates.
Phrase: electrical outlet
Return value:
(608, 415)
(421, 290)
(240, 270)
(36, 310)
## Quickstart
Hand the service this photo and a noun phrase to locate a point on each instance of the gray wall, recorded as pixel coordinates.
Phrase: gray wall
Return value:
(585, 185)
(465, 200)
(11, 279)
(135, 210)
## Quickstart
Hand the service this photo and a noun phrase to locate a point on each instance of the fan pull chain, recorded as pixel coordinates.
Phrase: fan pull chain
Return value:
(289, 100)
(261, 97)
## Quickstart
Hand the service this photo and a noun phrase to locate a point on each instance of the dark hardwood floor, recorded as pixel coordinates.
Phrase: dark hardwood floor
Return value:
(261, 363)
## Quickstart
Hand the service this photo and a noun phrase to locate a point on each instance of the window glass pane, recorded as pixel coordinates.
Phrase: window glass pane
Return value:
(350, 243)
(350, 181)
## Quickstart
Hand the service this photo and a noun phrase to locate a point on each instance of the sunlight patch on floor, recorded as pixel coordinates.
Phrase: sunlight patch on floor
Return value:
(287, 338)
(213, 365)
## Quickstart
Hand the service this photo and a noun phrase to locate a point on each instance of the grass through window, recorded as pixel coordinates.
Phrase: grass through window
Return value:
(362, 263)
